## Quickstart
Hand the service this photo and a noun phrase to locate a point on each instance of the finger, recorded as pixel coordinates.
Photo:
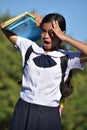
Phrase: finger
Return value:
(51, 33)
(55, 24)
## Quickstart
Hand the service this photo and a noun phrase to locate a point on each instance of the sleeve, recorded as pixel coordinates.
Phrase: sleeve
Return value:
(74, 61)
(22, 45)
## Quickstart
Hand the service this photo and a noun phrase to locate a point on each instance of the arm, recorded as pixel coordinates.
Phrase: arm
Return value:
(83, 58)
(81, 46)
(11, 36)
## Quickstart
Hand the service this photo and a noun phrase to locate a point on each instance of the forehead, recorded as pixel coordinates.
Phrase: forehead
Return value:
(47, 26)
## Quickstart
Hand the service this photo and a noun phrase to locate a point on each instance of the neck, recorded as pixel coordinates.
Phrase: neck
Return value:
(50, 50)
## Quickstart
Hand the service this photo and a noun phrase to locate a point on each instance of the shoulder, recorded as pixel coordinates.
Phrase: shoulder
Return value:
(23, 43)
(22, 40)
(73, 55)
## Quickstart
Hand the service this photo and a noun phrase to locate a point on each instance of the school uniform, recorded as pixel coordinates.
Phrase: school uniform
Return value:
(37, 108)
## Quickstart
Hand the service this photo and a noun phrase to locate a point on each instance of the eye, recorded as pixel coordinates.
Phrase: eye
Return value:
(51, 33)
(43, 30)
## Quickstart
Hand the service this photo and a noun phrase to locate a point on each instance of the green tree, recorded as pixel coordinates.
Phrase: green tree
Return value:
(10, 73)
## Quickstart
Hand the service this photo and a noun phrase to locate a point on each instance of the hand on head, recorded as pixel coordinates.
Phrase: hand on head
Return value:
(57, 30)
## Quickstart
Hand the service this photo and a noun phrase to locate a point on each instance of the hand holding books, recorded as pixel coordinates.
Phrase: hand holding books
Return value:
(38, 18)
(25, 25)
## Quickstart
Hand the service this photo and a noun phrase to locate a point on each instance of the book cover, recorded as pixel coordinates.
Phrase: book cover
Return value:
(23, 25)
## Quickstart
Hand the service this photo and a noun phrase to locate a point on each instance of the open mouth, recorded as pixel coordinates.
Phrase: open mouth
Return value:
(46, 42)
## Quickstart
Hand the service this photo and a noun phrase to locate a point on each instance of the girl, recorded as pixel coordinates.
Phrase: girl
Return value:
(37, 107)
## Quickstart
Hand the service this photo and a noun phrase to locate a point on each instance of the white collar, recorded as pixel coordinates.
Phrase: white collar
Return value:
(40, 50)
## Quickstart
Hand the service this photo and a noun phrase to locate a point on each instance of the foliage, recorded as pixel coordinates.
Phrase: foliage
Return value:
(74, 115)
(10, 74)
(75, 111)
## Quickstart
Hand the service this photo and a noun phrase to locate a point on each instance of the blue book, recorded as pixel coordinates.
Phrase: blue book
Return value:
(24, 26)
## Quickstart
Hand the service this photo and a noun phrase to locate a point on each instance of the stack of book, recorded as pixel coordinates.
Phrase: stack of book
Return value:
(23, 25)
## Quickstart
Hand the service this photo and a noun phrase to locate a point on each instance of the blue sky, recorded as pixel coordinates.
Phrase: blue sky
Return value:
(75, 12)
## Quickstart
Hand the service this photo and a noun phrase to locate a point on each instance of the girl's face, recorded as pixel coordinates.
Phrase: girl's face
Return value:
(50, 41)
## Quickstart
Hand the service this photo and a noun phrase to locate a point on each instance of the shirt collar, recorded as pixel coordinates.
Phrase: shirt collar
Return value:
(39, 50)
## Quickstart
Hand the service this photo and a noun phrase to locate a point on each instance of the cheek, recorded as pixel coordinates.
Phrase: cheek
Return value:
(54, 43)
(53, 39)
(42, 35)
